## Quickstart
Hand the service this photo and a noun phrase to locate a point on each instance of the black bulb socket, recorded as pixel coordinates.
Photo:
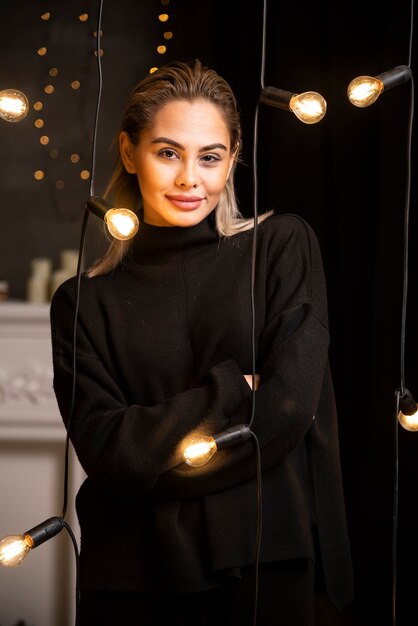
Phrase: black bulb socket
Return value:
(98, 206)
(407, 404)
(232, 436)
(396, 76)
(277, 98)
(44, 531)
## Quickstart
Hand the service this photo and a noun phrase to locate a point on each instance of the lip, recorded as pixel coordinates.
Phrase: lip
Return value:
(186, 203)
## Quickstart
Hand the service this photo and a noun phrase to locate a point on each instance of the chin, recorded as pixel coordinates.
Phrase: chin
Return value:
(190, 218)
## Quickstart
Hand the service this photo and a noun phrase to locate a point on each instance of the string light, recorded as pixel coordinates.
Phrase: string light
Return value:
(121, 223)
(309, 107)
(15, 548)
(408, 411)
(197, 450)
(365, 90)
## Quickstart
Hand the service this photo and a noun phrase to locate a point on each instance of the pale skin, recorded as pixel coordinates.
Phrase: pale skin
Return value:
(182, 162)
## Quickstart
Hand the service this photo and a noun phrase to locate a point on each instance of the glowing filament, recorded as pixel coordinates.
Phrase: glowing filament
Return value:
(14, 105)
(121, 223)
(13, 549)
(409, 422)
(364, 90)
(309, 107)
(197, 451)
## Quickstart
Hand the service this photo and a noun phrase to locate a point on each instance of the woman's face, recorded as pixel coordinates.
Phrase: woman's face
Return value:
(182, 162)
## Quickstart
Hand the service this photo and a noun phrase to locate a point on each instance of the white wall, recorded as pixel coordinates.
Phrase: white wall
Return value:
(41, 591)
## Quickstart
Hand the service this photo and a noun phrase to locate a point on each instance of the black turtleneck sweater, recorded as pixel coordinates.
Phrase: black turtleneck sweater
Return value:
(163, 342)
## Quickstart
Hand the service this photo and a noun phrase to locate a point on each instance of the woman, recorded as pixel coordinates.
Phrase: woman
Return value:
(164, 351)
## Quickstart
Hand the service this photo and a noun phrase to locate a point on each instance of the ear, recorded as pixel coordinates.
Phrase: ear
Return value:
(126, 150)
(233, 160)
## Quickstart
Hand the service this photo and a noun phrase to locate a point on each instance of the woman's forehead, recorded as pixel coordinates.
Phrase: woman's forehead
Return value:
(196, 121)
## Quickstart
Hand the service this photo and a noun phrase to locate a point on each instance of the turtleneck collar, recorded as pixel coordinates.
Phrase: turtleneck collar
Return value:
(170, 240)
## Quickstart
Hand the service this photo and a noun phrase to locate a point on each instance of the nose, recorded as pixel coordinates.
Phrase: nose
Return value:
(187, 177)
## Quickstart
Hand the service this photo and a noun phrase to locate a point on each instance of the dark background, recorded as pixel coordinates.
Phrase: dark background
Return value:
(345, 175)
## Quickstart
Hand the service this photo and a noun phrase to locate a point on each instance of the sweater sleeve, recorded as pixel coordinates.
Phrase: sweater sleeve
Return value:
(124, 448)
(293, 355)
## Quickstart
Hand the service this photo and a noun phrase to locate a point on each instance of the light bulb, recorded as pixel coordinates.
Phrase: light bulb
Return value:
(409, 422)
(309, 107)
(408, 413)
(14, 105)
(199, 450)
(121, 223)
(364, 90)
(14, 549)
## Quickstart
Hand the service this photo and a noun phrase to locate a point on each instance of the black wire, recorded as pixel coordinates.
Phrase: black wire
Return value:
(77, 567)
(395, 511)
(99, 97)
(403, 326)
(253, 348)
(253, 322)
(76, 308)
(255, 203)
(259, 526)
(406, 213)
(263, 45)
(80, 258)
(253, 265)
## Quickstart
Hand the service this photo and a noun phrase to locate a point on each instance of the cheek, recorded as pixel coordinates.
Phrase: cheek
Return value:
(216, 181)
(149, 179)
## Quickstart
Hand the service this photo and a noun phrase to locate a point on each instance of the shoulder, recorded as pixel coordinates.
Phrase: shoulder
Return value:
(88, 286)
(65, 292)
(286, 225)
(65, 296)
(290, 232)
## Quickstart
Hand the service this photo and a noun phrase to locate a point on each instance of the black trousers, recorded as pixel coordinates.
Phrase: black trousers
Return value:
(285, 598)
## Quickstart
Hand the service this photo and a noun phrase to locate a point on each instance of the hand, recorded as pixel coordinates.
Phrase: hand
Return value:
(249, 379)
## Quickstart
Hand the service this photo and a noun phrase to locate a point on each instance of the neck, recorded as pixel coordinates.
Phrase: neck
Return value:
(159, 240)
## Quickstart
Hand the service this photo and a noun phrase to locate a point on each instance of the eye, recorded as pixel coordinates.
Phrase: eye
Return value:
(168, 153)
(211, 158)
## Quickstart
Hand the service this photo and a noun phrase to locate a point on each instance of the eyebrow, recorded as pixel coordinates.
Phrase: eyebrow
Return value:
(177, 145)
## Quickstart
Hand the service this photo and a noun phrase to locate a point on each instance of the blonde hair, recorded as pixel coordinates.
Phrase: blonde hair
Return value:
(174, 81)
